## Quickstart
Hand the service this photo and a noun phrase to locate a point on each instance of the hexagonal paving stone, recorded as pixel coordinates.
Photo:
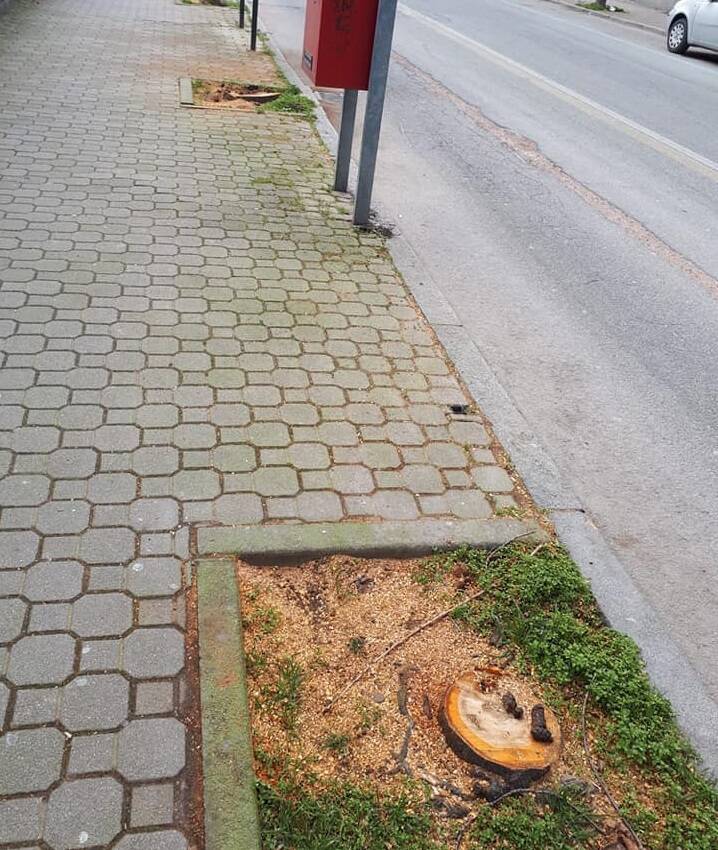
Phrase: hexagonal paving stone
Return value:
(234, 458)
(107, 545)
(20, 820)
(41, 659)
(154, 577)
(95, 702)
(492, 479)
(23, 490)
(196, 484)
(154, 514)
(151, 749)
(112, 488)
(56, 581)
(72, 463)
(69, 517)
(101, 614)
(17, 549)
(156, 460)
(152, 805)
(12, 615)
(4, 697)
(84, 812)
(30, 760)
(154, 653)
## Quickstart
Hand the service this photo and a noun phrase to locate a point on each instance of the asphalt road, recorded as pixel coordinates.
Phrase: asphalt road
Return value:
(557, 179)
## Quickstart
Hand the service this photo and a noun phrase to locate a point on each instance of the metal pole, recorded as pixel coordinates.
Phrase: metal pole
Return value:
(255, 16)
(241, 14)
(346, 137)
(374, 108)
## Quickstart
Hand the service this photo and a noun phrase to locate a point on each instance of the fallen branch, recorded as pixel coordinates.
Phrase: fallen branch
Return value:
(599, 779)
(464, 829)
(394, 646)
(402, 765)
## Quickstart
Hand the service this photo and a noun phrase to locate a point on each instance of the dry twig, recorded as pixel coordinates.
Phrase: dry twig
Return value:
(464, 829)
(394, 646)
(495, 551)
(599, 779)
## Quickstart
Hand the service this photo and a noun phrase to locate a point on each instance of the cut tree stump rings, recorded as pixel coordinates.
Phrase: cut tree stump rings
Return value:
(479, 730)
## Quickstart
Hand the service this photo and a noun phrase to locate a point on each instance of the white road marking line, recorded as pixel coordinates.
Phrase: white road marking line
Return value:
(648, 137)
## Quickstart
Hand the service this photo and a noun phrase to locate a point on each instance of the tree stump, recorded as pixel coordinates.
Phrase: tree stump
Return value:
(479, 730)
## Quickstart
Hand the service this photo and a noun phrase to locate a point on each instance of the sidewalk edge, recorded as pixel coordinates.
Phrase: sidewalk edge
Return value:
(231, 817)
(608, 16)
(294, 543)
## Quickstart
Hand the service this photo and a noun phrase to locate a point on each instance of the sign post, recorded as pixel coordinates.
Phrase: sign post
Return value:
(346, 137)
(255, 17)
(381, 54)
(241, 14)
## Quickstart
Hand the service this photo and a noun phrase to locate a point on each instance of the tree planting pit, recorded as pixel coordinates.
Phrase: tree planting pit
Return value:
(328, 700)
(228, 94)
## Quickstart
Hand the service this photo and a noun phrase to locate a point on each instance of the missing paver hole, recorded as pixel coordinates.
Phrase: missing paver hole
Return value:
(230, 94)
(274, 95)
(460, 409)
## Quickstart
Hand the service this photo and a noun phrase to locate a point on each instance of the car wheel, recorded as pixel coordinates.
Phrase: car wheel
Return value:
(677, 38)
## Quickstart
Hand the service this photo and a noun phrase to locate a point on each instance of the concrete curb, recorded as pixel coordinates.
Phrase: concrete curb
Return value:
(628, 611)
(283, 544)
(186, 95)
(608, 16)
(231, 817)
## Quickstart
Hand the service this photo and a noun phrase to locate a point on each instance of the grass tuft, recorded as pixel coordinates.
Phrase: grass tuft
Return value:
(284, 694)
(538, 602)
(339, 817)
(337, 743)
(293, 101)
(560, 820)
(597, 7)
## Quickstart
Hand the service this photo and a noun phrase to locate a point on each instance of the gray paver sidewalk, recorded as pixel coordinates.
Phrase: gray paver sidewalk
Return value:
(190, 332)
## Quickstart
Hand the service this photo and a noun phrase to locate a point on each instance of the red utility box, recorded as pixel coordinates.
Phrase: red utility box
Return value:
(338, 42)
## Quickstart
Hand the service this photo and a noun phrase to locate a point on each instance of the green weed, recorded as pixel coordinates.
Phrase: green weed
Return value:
(284, 694)
(339, 817)
(539, 603)
(597, 7)
(369, 716)
(266, 618)
(337, 743)
(512, 511)
(557, 820)
(291, 100)
(256, 663)
(357, 645)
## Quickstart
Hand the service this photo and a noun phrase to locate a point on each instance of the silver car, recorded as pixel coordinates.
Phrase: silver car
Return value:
(693, 23)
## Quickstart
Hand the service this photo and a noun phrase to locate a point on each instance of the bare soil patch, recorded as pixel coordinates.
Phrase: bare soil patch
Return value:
(309, 630)
(226, 94)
